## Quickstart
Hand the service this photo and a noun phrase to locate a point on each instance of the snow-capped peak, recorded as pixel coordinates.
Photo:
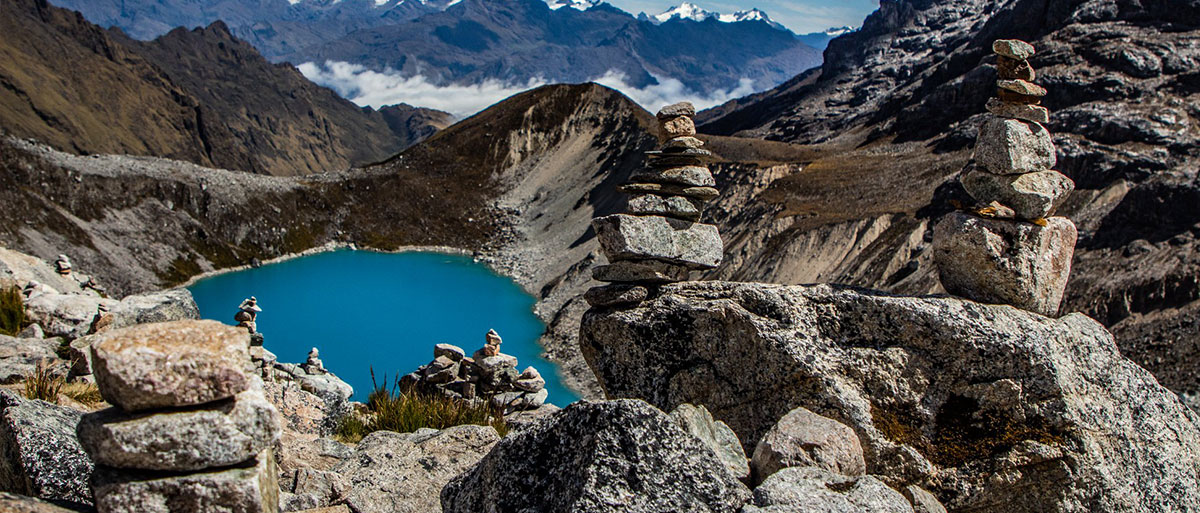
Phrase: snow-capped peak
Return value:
(837, 31)
(685, 11)
(579, 5)
(693, 12)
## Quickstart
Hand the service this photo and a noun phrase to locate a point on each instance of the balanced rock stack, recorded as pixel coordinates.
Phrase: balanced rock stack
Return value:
(63, 265)
(1009, 249)
(659, 240)
(487, 375)
(190, 430)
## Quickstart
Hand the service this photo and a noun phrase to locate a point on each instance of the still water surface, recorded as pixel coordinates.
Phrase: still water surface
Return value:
(384, 311)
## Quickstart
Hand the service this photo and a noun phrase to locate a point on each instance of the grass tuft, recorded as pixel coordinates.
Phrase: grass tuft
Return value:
(406, 410)
(12, 311)
(44, 384)
(85, 393)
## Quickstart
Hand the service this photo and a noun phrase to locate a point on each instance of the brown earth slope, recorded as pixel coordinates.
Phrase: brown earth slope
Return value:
(200, 96)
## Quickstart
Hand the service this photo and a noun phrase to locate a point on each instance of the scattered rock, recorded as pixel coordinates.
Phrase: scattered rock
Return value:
(998, 261)
(598, 457)
(717, 435)
(805, 489)
(1030, 195)
(32, 331)
(39, 454)
(171, 364)
(219, 434)
(626, 237)
(399, 473)
(804, 439)
(250, 488)
(1010, 146)
(921, 500)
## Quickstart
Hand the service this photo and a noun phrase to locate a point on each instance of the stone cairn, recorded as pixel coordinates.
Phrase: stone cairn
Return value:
(191, 429)
(1008, 249)
(660, 239)
(487, 375)
(63, 265)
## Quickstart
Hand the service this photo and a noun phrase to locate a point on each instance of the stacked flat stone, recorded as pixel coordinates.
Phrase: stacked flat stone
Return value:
(1009, 249)
(191, 429)
(487, 375)
(660, 239)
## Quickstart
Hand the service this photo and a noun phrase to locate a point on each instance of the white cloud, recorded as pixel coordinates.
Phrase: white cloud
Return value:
(670, 90)
(376, 89)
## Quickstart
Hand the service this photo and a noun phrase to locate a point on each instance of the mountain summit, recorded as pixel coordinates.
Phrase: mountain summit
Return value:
(692, 12)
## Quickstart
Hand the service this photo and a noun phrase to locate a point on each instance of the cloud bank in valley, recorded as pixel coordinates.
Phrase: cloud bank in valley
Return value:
(366, 87)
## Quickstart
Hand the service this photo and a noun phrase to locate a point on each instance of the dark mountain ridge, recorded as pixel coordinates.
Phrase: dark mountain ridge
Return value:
(201, 96)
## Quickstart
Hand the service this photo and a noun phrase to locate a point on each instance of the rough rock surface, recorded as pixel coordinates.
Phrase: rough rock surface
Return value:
(812, 489)
(1030, 195)
(1000, 261)
(20, 356)
(66, 315)
(598, 457)
(39, 454)
(941, 391)
(171, 364)
(717, 435)
(12, 503)
(216, 435)
(627, 237)
(922, 501)
(250, 488)
(405, 472)
(162, 306)
(1010, 146)
(804, 439)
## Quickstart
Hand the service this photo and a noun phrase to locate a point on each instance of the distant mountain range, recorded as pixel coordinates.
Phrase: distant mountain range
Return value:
(511, 41)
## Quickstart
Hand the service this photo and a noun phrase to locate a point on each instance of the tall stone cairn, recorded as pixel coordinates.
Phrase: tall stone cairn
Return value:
(660, 239)
(1008, 249)
(191, 430)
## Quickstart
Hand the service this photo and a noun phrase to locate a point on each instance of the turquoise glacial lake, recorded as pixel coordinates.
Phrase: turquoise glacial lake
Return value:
(366, 310)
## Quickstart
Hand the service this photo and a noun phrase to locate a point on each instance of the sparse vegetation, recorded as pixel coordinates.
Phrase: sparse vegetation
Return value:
(12, 311)
(44, 383)
(405, 410)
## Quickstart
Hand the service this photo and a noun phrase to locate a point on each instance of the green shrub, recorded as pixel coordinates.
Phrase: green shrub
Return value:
(406, 410)
(12, 311)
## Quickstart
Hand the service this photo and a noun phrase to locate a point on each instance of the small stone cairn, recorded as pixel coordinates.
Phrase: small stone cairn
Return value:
(660, 239)
(191, 429)
(63, 265)
(247, 314)
(487, 375)
(1018, 191)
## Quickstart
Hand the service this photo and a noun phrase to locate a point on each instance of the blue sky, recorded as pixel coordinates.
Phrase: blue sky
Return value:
(802, 16)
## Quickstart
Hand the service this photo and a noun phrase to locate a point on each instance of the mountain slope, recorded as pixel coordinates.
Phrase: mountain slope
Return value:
(199, 96)
(896, 107)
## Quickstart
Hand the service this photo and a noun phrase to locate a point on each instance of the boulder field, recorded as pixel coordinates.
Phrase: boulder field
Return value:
(991, 408)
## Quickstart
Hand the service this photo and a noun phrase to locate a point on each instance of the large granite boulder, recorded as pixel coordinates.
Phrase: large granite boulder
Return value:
(991, 408)
(614, 456)
(66, 315)
(816, 490)
(161, 306)
(217, 434)
(1004, 261)
(405, 472)
(171, 364)
(39, 454)
(19, 357)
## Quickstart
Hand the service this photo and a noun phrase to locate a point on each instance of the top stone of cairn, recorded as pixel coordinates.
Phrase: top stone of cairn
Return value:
(676, 110)
(1013, 49)
(171, 364)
